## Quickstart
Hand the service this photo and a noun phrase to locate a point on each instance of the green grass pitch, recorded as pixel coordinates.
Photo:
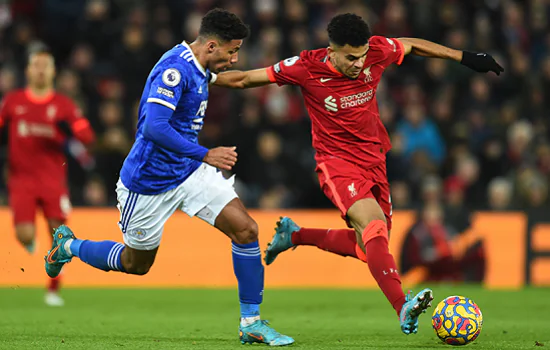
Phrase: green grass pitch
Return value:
(208, 319)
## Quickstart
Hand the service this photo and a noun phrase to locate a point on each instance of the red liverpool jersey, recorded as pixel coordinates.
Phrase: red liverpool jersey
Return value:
(344, 113)
(35, 141)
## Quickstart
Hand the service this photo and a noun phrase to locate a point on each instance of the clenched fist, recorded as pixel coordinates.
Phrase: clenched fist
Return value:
(223, 158)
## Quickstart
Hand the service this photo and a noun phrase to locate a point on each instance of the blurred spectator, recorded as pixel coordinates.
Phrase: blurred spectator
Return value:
(500, 194)
(436, 250)
(421, 134)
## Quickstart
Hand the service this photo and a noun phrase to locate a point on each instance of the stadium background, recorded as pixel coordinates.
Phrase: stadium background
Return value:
(471, 160)
(461, 139)
(462, 142)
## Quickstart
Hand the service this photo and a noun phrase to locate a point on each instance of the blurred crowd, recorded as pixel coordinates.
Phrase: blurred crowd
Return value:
(461, 140)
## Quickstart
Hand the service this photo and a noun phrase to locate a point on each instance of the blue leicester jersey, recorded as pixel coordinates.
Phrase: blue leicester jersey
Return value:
(179, 82)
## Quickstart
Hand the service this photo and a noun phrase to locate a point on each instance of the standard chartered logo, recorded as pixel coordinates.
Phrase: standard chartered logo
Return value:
(330, 104)
(355, 100)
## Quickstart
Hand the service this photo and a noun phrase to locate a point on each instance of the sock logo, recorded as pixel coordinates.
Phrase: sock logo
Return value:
(392, 270)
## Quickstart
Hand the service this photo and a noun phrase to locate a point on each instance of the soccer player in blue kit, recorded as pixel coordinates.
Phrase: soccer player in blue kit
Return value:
(167, 170)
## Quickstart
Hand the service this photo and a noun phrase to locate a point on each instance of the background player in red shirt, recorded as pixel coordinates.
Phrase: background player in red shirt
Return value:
(39, 121)
(339, 85)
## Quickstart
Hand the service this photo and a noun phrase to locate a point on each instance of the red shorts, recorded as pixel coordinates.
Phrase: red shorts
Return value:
(24, 202)
(345, 183)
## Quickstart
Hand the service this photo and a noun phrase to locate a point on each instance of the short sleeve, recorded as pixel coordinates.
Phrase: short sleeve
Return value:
(73, 112)
(168, 81)
(288, 72)
(73, 115)
(389, 50)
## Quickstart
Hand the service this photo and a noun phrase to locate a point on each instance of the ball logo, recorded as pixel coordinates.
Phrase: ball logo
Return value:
(171, 77)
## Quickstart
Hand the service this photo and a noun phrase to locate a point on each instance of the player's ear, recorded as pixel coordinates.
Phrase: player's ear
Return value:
(211, 46)
(330, 51)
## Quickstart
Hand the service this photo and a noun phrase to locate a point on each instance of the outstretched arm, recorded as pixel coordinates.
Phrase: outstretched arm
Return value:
(243, 79)
(480, 62)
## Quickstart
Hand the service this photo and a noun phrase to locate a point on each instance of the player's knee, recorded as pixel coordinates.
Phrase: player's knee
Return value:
(25, 234)
(135, 268)
(247, 235)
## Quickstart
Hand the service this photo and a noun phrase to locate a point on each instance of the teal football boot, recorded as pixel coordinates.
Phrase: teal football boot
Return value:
(58, 256)
(260, 332)
(413, 307)
(282, 240)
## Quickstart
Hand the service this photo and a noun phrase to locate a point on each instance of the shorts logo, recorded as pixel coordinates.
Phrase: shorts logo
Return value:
(330, 104)
(352, 190)
(171, 77)
(138, 232)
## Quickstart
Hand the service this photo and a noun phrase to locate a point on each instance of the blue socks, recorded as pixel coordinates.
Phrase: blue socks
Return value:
(104, 255)
(247, 264)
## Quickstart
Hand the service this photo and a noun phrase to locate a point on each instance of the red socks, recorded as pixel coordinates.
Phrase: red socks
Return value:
(343, 242)
(54, 284)
(381, 263)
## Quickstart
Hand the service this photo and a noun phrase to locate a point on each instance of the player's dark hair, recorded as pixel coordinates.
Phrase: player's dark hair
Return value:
(224, 25)
(348, 29)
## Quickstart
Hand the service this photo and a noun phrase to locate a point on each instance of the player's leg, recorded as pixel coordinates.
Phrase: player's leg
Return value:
(340, 181)
(226, 212)
(23, 206)
(371, 226)
(56, 207)
(288, 235)
(52, 297)
(141, 221)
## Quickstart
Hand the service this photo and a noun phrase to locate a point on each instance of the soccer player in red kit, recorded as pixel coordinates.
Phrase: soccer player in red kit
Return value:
(39, 121)
(339, 85)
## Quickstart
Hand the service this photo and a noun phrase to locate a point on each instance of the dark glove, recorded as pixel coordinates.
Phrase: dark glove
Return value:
(65, 128)
(481, 62)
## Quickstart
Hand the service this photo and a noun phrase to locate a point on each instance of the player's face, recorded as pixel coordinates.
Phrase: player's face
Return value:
(348, 60)
(224, 55)
(41, 70)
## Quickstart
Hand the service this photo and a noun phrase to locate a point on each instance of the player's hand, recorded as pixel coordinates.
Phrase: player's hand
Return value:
(481, 62)
(223, 158)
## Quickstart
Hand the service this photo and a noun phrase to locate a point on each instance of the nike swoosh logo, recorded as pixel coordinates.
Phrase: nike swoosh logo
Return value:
(260, 338)
(323, 80)
(49, 259)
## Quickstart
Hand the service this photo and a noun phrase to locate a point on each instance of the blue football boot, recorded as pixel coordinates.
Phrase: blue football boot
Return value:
(413, 307)
(260, 332)
(58, 256)
(282, 240)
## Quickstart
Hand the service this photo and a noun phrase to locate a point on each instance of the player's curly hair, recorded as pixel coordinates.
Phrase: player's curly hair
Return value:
(348, 28)
(224, 25)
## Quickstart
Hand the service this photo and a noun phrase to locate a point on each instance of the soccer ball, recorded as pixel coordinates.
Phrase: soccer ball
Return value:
(457, 320)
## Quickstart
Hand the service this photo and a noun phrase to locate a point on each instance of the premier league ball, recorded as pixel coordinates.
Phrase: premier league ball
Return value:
(457, 320)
